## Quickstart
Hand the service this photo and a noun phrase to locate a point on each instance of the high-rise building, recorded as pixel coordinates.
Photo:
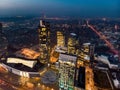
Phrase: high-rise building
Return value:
(80, 78)
(72, 40)
(44, 41)
(84, 54)
(60, 39)
(87, 52)
(67, 71)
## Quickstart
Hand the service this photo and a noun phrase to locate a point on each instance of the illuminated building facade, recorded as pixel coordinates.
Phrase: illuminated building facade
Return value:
(29, 63)
(60, 39)
(86, 53)
(67, 71)
(72, 40)
(29, 53)
(86, 47)
(89, 51)
(44, 41)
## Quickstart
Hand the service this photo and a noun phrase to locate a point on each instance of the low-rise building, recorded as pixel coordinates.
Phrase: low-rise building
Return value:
(108, 59)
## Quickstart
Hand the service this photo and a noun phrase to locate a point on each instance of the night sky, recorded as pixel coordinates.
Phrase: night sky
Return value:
(71, 8)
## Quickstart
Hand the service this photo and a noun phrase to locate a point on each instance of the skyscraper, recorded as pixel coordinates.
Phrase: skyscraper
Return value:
(60, 39)
(44, 41)
(72, 43)
(84, 54)
(87, 52)
(67, 71)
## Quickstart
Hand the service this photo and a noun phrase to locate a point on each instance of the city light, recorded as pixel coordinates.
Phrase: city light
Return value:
(59, 45)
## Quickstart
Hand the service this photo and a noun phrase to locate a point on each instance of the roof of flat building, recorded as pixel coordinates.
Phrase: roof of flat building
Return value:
(37, 67)
(110, 57)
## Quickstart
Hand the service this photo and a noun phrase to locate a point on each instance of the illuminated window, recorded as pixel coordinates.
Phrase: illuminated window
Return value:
(44, 33)
(44, 39)
(43, 29)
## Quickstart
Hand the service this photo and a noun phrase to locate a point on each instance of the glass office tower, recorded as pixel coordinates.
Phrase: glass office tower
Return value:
(67, 70)
(44, 41)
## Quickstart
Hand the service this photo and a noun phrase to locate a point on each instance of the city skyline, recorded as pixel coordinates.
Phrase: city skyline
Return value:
(60, 8)
(59, 44)
(55, 53)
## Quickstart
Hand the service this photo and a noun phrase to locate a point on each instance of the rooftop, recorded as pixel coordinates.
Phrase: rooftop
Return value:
(22, 67)
(110, 57)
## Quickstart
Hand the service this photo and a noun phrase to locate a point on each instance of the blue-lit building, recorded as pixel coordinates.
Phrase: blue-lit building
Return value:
(67, 71)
